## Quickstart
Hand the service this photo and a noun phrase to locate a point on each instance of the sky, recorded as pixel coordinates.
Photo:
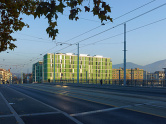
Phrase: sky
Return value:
(145, 45)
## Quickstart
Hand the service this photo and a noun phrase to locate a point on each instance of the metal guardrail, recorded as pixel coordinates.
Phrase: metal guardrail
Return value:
(139, 83)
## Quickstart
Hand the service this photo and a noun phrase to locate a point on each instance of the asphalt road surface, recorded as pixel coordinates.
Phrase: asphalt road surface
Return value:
(70, 104)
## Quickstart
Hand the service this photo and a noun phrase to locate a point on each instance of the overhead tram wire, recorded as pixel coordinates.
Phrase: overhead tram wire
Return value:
(135, 9)
(119, 24)
(123, 33)
(46, 51)
(100, 25)
(34, 40)
(146, 12)
(122, 23)
(85, 19)
(126, 32)
(114, 19)
(96, 21)
(33, 36)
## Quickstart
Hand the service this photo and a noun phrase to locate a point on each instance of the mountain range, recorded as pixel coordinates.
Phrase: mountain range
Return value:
(156, 66)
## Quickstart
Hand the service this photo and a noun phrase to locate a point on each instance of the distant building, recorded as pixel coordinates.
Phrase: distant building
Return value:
(27, 78)
(157, 75)
(131, 74)
(160, 75)
(92, 68)
(5, 76)
(37, 72)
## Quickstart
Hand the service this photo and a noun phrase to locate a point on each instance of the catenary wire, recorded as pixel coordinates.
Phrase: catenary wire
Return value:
(123, 33)
(126, 21)
(116, 25)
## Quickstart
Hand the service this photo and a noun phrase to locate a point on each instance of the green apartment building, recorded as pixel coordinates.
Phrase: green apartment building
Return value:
(37, 72)
(90, 68)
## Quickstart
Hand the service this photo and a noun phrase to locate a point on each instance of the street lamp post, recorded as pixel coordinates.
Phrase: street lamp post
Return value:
(125, 54)
(78, 65)
(77, 58)
(54, 67)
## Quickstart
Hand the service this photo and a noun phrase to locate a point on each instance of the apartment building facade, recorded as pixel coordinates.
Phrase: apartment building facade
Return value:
(131, 74)
(90, 68)
(5, 76)
(37, 72)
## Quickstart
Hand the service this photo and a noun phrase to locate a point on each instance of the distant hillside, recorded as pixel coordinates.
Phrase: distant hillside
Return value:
(129, 65)
(156, 66)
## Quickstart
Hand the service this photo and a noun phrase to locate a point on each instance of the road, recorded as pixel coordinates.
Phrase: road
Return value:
(70, 104)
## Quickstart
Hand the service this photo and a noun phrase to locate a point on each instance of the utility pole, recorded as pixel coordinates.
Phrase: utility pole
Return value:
(54, 67)
(124, 54)
(86, 77)
(78, 65)
(119, 77)
(35, 72)
(131, 76)
(21, 77)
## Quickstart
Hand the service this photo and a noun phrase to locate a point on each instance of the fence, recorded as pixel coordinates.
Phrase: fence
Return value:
(142, 83)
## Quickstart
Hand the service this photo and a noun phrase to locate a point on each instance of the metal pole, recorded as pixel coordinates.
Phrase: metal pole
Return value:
(86, 77)
(35, 72)
(78, 65)
(21, 77)
(131, 77)
(124, 54)
(54, 67)
(119, 76)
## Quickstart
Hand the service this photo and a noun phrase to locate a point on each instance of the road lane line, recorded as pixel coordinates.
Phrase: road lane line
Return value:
(19, 120)
(67, 95)
(145, 113)
(35, 114)
(104, 92)
(94, 101)
(67, 115)
(2, 116)
(98, 111)
(109, 109)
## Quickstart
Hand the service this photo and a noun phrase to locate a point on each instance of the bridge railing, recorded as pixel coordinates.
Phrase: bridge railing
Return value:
(142, 83)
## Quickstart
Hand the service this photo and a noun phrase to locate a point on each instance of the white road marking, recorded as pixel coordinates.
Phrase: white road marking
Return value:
(19, 120)
(11, 103)
(109, 109)
(98, 111)
(2, 116)
(35, 114)
(67, 115)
